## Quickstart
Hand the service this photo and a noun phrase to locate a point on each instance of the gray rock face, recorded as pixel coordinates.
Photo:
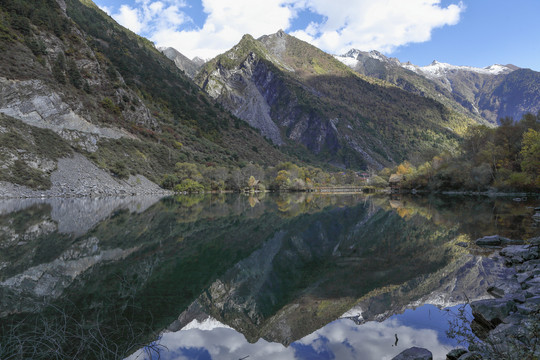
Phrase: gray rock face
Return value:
(33, 102)
(188, 66)
(245, 97)
(414, 353)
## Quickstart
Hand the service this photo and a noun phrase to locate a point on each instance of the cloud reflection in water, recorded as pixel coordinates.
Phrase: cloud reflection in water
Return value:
(341, 339)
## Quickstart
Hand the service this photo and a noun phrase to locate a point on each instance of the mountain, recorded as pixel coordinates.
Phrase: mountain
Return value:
(108, 94)
(313, 106)
(484, 94)
(190, 67)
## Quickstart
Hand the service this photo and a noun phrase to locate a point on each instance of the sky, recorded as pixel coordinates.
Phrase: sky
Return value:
(467, 32)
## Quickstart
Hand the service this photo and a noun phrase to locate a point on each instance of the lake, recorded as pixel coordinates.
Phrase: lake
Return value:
(268, 276)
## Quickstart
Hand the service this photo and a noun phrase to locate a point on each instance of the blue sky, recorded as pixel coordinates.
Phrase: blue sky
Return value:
(468, 32)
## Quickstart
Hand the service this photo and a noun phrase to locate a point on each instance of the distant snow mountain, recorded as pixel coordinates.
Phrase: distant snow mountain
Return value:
(485, 94)
(438, 69)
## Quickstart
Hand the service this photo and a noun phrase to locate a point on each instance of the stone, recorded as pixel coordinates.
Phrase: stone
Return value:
(512, 251)
(496, 291)
(473, 355)
(414, 353)
(490, 312)
(455, 354)
(493, 240)
(522, 277)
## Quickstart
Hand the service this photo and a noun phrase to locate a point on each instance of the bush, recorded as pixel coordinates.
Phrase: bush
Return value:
(190, 186)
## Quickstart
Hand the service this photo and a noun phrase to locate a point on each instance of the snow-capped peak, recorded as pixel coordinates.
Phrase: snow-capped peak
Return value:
(440, 69)
(353, 53)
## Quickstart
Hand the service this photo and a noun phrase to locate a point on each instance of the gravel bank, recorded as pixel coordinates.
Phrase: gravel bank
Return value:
(77, 177)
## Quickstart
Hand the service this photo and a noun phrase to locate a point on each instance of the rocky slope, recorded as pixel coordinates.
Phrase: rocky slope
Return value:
(485, 94)
(67, 67)
(298, 95)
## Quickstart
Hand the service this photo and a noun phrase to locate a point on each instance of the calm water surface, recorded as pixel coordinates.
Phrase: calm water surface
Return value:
(291, 276)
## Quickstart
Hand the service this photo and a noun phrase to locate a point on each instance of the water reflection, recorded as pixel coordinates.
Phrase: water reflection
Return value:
(273, 269)
(341, 339)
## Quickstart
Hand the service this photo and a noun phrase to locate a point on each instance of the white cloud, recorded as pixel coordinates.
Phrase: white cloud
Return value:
(130, 18)
(376, 24)
(380, 25)
(149, 17)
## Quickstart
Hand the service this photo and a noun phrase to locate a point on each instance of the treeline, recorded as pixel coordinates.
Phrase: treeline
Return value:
(504, 158)
(194, 178)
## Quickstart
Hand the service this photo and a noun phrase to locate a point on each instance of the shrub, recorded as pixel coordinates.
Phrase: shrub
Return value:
(190, 186)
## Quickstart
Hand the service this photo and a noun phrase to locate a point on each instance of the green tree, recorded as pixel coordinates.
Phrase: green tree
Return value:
(73, 73)
(188, 171)
(59, 68)
(530, 153)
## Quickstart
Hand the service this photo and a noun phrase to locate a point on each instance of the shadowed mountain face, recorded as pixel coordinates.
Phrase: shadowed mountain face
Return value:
(276, 268)
(298, 95)
(484, 94)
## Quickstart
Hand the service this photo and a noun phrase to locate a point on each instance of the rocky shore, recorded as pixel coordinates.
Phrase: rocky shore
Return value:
(78, 177)
(508, 325)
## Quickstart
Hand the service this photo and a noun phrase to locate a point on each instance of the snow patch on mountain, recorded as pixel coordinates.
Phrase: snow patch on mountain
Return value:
(435, 70)
(438, 69)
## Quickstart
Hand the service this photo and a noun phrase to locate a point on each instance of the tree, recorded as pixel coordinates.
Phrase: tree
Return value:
(530, 152)
(59, 67)
(188, 171)
(73, 73)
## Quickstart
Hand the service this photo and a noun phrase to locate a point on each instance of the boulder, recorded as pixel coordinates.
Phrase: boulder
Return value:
(414, 353)
(490, 312)
(455, 354)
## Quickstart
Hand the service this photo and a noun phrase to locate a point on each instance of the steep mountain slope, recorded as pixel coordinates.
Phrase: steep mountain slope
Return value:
(68, 67)
(298, 95)
(474, 92)
(190, 67)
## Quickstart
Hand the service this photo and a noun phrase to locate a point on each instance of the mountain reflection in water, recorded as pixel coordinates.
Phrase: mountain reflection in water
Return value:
(270, 270)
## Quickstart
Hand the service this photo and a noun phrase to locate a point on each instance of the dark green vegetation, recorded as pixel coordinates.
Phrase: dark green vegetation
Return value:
(506, 158)
(28, 154)
(337, 115)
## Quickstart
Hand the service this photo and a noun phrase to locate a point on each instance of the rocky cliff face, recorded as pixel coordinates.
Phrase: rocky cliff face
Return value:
(474, 92)
(303, 99)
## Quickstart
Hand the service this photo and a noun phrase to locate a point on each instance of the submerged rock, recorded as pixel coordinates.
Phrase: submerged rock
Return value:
(414, 353)
(496, 240)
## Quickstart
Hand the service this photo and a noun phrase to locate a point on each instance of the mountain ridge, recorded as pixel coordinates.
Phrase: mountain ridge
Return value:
(472, 91)
(295, 92)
